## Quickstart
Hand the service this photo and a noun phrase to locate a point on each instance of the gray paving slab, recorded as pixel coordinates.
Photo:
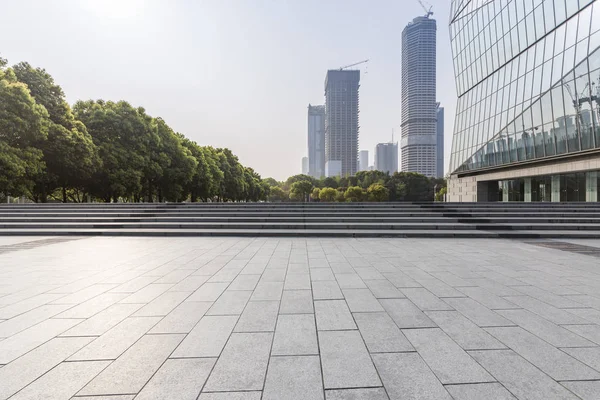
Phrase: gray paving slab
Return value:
(557, 364)
(589, 314)
(294, 378)
(488, 299)
(258, 316)
(356, 394)
(295, 335)
(84, 294)
(30, 318)
(425, 300)
(243, 364)
(520, 377)
(113, 343)
(93, 306)
(267, 290)
(450, 363)
(587, 390)
(297, 281)
(103, 321)
(544, 329)
(231, 396)
(296, 302)
(244, 282)
(208, 337)
(383, 289)
(401, 280)
(406, 376)
(361, 300)
(478, 313)
(162, 305)
(590, 332)
(183, 318)
(551, 313)
(405, 314)
(464, 332)
(208, 292)
(147, 293)
(350, 281)
(479, 391)
(587, 355)
(326, 290)
(339, 349)
(189, 284)
(178, 378)
(230, 303)
(130, 372)
(63, 381)
(321, 274)
(29, 367)
(381, 334)
(333, 315)
(117, 397)
(29, 304)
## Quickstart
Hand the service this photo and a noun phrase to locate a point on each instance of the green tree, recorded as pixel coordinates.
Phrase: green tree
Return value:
(300, 190)
(340, 196)
(277, 194)
(353, 194)
(440, 195)
(378, 192)
(332, 182)
(272, 182)
(314, 195)
(410, 186)
(300, 178)
(327, 194)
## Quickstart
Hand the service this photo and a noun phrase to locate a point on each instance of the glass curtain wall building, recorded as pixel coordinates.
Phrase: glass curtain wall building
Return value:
(528, 113)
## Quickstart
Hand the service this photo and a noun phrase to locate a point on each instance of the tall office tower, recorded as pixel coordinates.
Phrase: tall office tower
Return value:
(528, 111)
(305, 165)
(363, 160)
(341, 122)
(419, 97)
(316, 141)
(440, 142)
(386, 157)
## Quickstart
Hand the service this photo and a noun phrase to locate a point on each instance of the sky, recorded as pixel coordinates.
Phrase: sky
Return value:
(229, 73)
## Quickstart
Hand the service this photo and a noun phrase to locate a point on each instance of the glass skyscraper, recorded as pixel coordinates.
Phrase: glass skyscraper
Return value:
(528, 113)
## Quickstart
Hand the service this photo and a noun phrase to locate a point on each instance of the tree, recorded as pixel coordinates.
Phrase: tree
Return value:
(410, 186)
(277, 194)
(339, 196)
(314, 195)
(378, 192)
(353, 194)
(300, 190)
(327, 194)
(272, 182)
(440, 195)
(331, 182)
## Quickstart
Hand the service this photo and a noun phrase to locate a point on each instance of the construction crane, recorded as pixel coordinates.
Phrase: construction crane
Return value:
(352, 65)
(428, 11)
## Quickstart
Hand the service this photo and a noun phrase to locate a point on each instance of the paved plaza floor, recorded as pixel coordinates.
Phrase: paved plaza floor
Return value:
(245, 319)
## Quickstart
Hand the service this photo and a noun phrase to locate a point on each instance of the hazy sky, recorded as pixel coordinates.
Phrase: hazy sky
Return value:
(228, 73)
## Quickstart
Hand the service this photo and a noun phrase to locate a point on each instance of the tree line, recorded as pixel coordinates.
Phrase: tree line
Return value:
(104, 151)
(367, 186)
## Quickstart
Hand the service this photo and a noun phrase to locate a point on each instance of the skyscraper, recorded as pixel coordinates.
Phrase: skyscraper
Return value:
(316, 141)
(440, 142)
(341, 122)
(527, 118)
(363, 162)
(419, 97)
(305, 165)
(386, 157)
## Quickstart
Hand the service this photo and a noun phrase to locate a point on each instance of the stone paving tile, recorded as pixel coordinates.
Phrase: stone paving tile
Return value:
(37, 362)
(180, 378)
(84, 294)
(295, 377)
(321, 274)
(551, 313)
(406, 376)
(297, 281)
(130, 372)
(103, 321)
(231, 396)
(356, 394)
(244, 282)
(30, 318)
(405, 314)
(587, 390)
(208, 292)
(548, 298)
(361, 300)
(147, 293)
(27, 340)
(464, 332)
(258, 316)
(93, 306)
(295, 335)
(208, 337)
(333, 315)
(590, 332)
(63, 381)
(296, 302)
(487, 299)
(447, 360)
(589, 314)
(546, 357)
(21, 307)
(425, 300)
(243, 364)
(350, 281)
(266, 290)
(230, 303)
(183, 318)
(589, 355)
(520, 377)
(383, 289)
(123, 397)
(476, 312)
(341, 349)
(326, 290)
(480, 391)
(162, 305)
(380, 333)
(189, 284)
(113, 343)
(544, 329)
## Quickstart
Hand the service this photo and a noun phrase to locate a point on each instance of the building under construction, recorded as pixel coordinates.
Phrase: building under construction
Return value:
(341, 122)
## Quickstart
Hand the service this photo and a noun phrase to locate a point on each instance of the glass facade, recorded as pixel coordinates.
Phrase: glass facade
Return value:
(528, 80)
(573, 187)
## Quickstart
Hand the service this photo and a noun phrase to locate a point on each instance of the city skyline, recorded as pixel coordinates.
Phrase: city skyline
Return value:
(193, 54)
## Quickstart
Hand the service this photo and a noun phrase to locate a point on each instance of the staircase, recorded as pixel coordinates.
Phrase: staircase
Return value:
(465, 220)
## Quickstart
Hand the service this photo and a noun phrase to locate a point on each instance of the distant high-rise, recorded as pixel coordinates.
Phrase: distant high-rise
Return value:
(363, 161)
(316, 141)
(386, 157)
(341, 122)
(440, 142)
(305, 165)
(419, 97)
